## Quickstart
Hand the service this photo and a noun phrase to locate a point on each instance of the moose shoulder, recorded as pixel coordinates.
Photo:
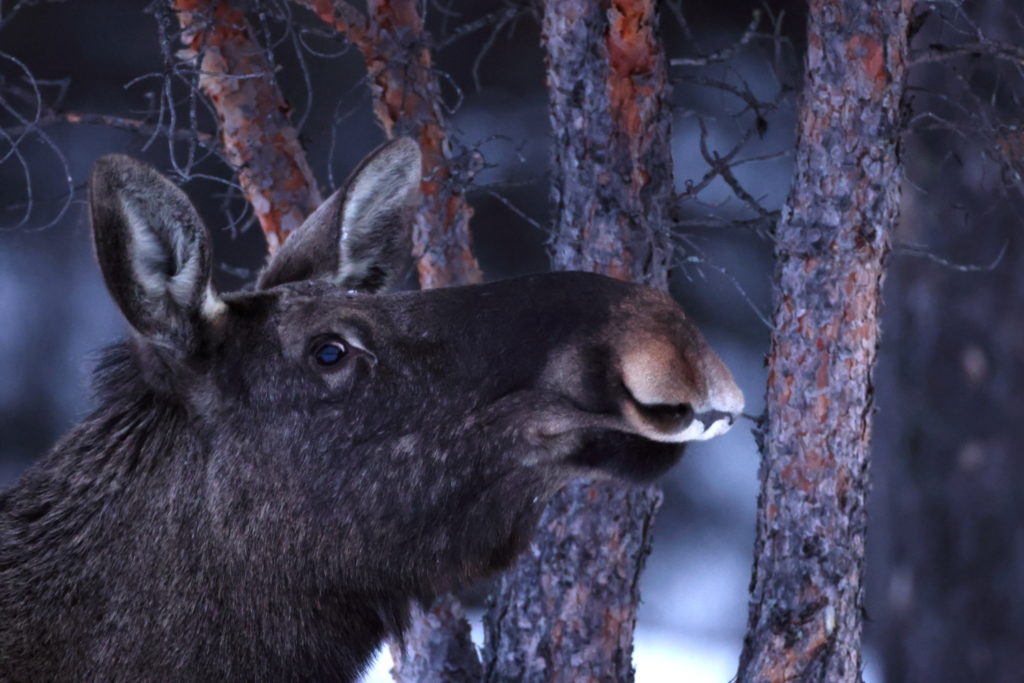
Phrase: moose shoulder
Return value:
(272, 476)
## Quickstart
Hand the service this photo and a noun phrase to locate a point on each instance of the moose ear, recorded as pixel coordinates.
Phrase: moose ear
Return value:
(153, 250)
(359, 237)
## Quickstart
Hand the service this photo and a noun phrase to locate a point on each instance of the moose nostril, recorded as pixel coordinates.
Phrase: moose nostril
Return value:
(668, 411)
(669, 417)
(710, 417)
(663, 417)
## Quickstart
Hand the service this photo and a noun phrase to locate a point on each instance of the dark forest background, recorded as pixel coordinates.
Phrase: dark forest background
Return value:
(947, 471)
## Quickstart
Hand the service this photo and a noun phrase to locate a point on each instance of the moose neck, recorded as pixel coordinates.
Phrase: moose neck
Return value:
(141, 462)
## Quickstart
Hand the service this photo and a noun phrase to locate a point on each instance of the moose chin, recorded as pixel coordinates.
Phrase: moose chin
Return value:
(272, 476)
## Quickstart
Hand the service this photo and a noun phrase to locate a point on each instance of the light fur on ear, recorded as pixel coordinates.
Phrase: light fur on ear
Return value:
(359, 237)
(153, 250)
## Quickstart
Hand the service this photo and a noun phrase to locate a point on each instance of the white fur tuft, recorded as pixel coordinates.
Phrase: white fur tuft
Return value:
(164, 262)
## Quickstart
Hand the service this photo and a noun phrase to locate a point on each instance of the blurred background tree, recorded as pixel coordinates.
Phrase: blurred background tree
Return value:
(947, 600)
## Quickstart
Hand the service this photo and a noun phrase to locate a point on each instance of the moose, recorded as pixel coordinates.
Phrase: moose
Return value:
(272, 477)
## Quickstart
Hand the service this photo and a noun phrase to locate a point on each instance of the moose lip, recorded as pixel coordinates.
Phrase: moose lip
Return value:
(674, 423)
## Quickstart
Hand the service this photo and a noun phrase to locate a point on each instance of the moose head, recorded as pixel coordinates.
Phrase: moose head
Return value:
(272, 475)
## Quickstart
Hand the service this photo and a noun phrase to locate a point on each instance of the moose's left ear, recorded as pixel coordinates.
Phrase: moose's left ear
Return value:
(361, 234)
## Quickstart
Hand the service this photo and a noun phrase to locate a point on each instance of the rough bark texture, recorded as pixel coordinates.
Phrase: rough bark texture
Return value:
(407, 101)
(955, 593)
(567, 611)
(437, 646)
(256, 136)
(612, 138)
(807, 588)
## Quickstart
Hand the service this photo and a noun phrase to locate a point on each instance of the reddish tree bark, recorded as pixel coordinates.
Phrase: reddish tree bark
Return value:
(407, 101)
(567, 611)
(612, 151)
(807, 588)
(255, 134)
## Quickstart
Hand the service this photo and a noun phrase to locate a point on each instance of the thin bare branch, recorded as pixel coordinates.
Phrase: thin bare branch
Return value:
(28, 129)
(496, 18)
(939, 52)
(131, 125)
(697, 259)
(725, 53)
(921, 251)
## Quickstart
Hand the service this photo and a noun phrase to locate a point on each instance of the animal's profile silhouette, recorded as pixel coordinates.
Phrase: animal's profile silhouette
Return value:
(271, 476)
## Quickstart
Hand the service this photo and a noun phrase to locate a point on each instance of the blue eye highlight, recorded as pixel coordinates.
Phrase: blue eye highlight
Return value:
(330, 353)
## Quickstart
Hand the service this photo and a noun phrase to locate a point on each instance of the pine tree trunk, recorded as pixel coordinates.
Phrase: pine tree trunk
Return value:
(437, 646)
(566, 612)
(831, 242)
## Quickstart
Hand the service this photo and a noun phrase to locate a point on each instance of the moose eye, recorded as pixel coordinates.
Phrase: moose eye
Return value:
(329, 353)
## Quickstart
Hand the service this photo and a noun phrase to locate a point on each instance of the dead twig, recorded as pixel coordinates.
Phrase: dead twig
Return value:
(725, 53)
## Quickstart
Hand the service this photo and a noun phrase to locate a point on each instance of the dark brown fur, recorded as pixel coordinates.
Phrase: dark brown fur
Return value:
(234, 511)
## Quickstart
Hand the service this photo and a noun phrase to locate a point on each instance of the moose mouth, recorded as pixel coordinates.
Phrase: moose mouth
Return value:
(649, 439)
(670, 424)
(673, 422)
(626, 456)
